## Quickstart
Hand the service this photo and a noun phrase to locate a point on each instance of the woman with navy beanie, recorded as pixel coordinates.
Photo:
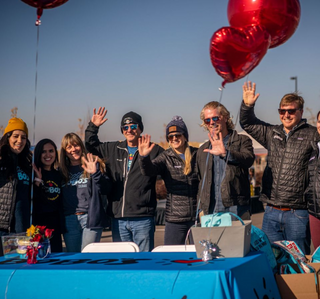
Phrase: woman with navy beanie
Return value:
(177, 167)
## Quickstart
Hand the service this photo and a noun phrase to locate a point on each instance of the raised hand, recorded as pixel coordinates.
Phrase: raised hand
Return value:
(249, 93)
(37, 171)
(98, 118)
(144, 145)
(217, 146)
(89, 164)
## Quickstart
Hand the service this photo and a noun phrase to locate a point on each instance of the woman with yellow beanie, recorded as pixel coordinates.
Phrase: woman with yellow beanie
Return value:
(15, 176)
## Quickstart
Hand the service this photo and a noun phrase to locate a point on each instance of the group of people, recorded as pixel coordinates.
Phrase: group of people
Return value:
(67, 196)
(92, 180)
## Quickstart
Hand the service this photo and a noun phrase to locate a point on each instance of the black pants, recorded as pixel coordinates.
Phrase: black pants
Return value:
(175, 233)
(53, 221)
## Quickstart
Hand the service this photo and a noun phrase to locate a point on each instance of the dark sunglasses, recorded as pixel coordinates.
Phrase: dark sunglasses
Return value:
(132, 127)
(208, 120)
(290, 111)
(170, 137)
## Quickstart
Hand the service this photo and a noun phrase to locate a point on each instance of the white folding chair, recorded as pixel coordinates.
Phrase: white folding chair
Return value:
(174, 248)
(111, 247)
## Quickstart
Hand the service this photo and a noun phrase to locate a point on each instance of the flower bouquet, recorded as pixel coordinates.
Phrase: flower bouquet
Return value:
(40, 243)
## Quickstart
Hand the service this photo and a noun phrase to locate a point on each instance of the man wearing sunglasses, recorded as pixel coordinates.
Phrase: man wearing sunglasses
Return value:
(223, 164)
(285, 177)
(132, 203)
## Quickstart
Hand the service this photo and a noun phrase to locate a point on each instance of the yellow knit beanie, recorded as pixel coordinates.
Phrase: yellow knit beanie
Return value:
(16, 124)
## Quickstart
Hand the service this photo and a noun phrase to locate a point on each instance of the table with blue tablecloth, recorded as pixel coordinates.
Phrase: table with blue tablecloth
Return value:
(137, 275)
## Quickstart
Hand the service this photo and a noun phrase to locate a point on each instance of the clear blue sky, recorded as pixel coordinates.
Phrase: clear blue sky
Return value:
(148, 56)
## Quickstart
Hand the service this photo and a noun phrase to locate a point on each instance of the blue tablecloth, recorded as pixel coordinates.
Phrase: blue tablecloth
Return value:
(137, 275)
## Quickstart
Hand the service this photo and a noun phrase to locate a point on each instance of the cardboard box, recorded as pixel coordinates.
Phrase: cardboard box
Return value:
(301, 285)
(230, 241)
(297, 286)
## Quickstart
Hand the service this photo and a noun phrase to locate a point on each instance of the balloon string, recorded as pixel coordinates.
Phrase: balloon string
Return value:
(34, 120)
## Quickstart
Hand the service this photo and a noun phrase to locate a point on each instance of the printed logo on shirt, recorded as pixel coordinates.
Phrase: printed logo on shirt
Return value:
(130, 160)
(22, 176)
(52, 189)
(76, 179)
(131, 151)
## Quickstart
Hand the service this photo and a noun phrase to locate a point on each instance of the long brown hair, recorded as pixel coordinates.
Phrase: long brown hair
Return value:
(74, 139)
(7, 157)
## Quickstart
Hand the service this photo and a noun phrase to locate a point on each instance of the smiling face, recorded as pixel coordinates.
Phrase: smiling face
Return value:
(74, 153)
(17, 141)
(177, 141)
(318, 124)
(132, 135)
(48, 156)
(215, 126)
(289, 121)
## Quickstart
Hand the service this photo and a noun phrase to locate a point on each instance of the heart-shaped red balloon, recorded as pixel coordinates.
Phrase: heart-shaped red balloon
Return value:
(279, 17)
(235, 52)
(43, 4)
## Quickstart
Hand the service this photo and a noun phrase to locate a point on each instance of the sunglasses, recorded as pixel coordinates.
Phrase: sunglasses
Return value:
(132, 127)
(290, 111)
(170, 137)
(208, 120)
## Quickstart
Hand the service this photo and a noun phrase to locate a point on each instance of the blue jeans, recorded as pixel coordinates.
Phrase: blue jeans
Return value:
(78, 235)
(139, 230)
(287, 225)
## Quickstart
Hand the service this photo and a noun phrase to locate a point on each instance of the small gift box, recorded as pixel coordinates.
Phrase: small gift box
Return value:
(15, 245)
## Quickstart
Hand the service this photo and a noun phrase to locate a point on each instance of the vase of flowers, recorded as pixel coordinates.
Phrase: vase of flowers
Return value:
(44, 249)
(40, 243)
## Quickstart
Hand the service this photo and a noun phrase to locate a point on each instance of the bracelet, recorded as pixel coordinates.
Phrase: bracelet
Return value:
(38, 180)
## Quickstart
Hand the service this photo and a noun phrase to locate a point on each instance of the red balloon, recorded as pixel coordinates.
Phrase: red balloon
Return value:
(44, 4)
(279, 17)
(235, 52)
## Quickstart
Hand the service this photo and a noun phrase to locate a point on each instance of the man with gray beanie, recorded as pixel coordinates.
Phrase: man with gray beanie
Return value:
(132, 203)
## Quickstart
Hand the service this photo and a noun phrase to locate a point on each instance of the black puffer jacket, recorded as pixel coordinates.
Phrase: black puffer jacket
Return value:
(181, 189)
(285, 176)
(313, 190)
(7, 200)
(132, 195)
(235, 187)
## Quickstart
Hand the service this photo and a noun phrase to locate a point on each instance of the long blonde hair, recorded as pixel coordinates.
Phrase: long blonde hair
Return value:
(74, 139)
(187, 157)
(187, 161)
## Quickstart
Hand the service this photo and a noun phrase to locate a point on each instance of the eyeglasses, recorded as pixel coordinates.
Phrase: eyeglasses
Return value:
(208, 120)
(170, 137)
(290, 111)
(132, 127)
